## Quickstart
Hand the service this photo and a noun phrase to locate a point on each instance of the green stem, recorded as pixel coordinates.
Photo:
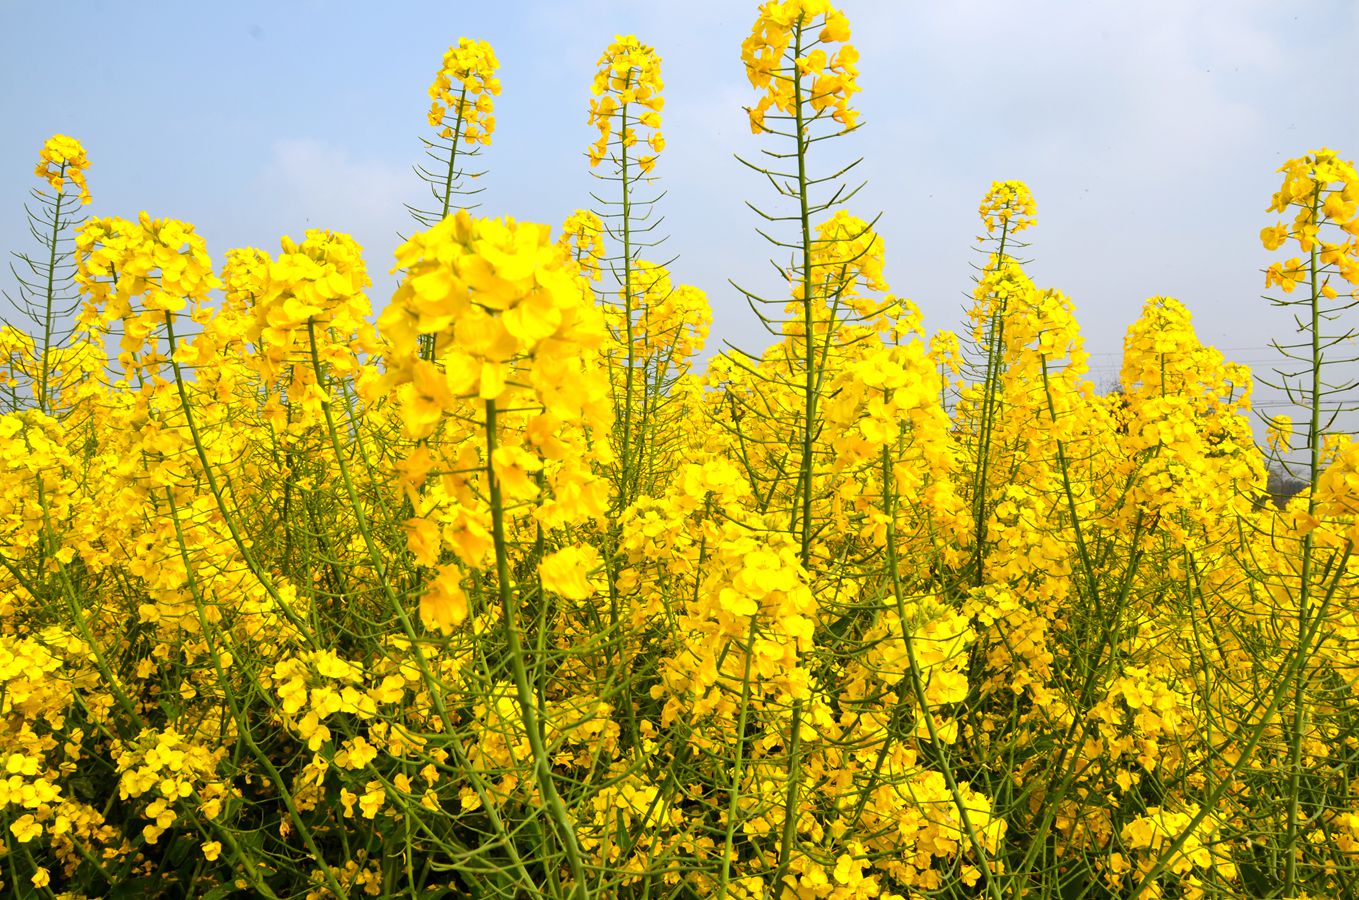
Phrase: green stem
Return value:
(628, 462)
(789, 832)
(215, 487)
(528, 702)
(1294, 670)
(995, 342)
(1305, 586)
(428, 342)
(737, 769)
(44, 401)
(917, 680)
(407, 627)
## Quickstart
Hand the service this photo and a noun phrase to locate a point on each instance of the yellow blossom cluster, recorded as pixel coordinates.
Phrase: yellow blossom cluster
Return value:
(1007, 205)
(510, 592)
(1323, 191)
(464, 91)
(61, 160)
(160, 263)
(785, 60)
(582, 235)
(628, 88)
(170, 770)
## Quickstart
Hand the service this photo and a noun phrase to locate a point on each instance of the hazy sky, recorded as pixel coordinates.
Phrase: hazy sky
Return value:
(1149, 131)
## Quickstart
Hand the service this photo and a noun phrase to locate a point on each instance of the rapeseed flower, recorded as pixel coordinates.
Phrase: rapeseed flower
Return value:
(63, 160)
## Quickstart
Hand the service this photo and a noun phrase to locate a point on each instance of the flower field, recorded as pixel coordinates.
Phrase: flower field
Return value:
(501, 588)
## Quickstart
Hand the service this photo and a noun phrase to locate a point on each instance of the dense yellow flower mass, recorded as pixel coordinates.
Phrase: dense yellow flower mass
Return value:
(506, 591)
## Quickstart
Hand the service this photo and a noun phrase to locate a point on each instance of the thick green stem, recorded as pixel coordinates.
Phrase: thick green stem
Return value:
(453, 157)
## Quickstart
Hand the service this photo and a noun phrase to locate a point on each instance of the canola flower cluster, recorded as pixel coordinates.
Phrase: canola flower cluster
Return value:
(464, 90)
(784, 60)
(628, 82)
(505, 595)
(62, 159)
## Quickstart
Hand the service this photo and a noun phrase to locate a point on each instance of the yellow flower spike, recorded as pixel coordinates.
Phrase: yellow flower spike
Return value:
(498, 299)
(63, 160)
(1008, 203)
(629, 76)
(462, 92)
(1322, 188)
(847, 258)
(583, 236)
(162, 262)
(834, 75)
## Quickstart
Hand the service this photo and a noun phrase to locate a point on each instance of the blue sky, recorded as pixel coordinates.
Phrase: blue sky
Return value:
(1149, 132)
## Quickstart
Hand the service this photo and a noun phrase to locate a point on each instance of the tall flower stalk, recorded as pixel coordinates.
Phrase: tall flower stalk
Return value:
(1321, 191)
(47, 294)
(462, 110)
(626, 107)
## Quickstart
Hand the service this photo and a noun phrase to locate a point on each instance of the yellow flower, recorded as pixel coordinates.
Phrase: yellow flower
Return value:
(583, 236)
(1008, 203)
(1274, 236)
(1280, 432)
(629, 76)
(771, 68)
(567, 572)
(373, 798)
(463, 90)
(211, 850)
(422, 539)
(25, 828)
(443, 605)
(356, 754)
(62, 160)
(513, 467)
